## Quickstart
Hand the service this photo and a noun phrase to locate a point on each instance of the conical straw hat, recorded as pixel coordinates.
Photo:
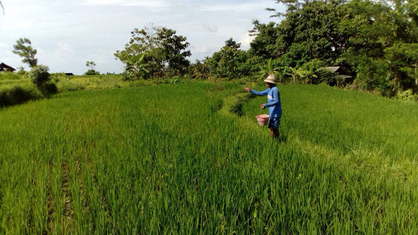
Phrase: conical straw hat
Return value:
(271, 79)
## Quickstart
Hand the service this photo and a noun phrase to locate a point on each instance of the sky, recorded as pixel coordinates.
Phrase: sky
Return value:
(68, 33)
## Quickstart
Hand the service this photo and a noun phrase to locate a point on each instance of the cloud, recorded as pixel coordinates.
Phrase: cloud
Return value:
(67, 33)
(245, 41)
(213, 28)
(233, 7)
(130, 3)
(199, 49)
(61, 53)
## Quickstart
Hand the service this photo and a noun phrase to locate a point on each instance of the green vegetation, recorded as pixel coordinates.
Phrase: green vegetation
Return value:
(40, 76)
(24, 49)
(374, 42)
(154, 52)
(373, 45)
(177, 159)
(92, 71)
(191, 159)
(12, 82)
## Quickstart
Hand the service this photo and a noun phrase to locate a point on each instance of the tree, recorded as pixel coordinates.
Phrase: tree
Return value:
(382, 44)
(200, 69)
(402, 60)
(174, 51)
(230, 61)
(135, 67)
(264, 44)
(165, 53)
(91, 70)
(311, 32)
(91, 64)
(24, 49)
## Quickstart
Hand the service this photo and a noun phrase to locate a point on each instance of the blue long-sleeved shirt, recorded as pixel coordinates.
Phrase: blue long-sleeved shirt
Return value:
(273, 100)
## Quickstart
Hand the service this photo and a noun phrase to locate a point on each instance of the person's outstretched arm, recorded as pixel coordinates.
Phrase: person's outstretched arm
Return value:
(260, 93)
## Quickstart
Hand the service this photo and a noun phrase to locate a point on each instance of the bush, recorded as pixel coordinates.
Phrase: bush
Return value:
(39, 75)
(50, 88)
(17, 95)
(42, 79)
(407, 95)
(92, 72)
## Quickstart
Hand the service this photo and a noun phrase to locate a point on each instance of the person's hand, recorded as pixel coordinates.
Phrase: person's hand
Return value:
(247, 89)
(262, 106)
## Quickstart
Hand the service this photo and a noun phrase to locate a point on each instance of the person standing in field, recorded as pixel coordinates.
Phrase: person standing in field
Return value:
(273, 103)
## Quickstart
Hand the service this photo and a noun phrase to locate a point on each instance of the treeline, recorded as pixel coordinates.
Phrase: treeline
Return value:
(373, 42)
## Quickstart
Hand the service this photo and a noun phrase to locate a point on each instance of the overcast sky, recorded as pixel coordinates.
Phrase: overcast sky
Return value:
(67, 33)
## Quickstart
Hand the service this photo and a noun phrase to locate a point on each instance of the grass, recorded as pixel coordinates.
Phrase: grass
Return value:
(177, 159)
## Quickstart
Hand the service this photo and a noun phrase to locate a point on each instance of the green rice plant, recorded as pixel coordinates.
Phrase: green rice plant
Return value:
(172, 159)
(9, 76)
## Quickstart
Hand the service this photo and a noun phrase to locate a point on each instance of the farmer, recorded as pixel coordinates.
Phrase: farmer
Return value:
(273, 103)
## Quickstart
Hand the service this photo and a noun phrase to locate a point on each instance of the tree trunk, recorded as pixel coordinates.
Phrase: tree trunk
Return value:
(397, 79)
(416, 76)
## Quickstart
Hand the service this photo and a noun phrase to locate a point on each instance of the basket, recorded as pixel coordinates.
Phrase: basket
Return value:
(262, 119)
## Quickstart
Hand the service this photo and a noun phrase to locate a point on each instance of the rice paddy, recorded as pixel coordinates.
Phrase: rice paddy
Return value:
(191, 159)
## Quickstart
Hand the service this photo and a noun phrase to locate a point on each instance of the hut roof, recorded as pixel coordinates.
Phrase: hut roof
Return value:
(4, 66)
(332, 69)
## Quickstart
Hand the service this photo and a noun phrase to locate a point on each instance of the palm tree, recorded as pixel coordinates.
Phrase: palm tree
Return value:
(296, 73)
(268, 69)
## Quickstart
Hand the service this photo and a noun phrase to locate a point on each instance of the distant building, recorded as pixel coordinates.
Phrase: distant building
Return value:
(69, 74)
(5, 67)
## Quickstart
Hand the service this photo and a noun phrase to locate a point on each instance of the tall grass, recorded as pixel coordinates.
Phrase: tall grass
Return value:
(170, 159)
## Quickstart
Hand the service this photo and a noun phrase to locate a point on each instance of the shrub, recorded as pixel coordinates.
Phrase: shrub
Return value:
(17, 95)
(50, 88)
(42, 79)
(407, 95)
(39, 75)
(92, 72)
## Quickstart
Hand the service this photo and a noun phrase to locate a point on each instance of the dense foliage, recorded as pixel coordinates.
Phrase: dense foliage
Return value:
(376, 43)
(373, 44)
(42, 79)
(230, 62)
(154, 52)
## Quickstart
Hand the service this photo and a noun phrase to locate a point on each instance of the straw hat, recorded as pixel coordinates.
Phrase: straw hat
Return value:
(271, 79)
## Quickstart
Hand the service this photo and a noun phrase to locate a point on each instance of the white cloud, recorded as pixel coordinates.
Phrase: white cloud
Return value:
(213, 28)
(139, 3)
(200, 49)
(67, 33)
(234, 7)
(245, 41)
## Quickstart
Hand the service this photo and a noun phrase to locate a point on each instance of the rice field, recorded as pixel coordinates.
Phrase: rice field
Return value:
(191, 159)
